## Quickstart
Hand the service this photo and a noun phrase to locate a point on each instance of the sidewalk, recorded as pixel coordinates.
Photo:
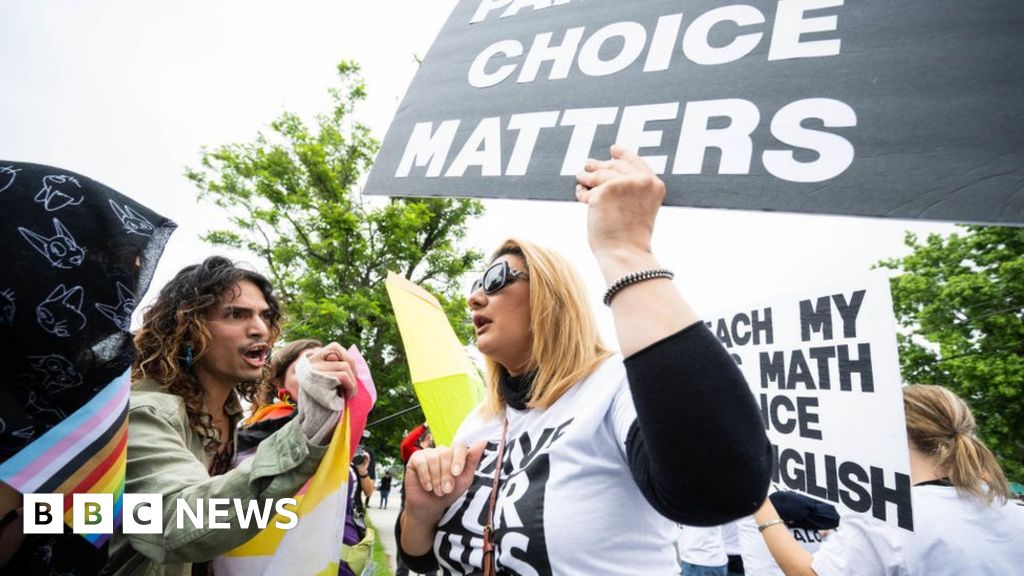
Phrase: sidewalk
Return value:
(384, 521)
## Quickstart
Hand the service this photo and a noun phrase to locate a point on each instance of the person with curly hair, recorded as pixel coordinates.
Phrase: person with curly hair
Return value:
(203, 346)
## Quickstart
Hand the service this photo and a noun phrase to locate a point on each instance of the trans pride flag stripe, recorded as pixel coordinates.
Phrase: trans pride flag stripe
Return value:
(85, 453)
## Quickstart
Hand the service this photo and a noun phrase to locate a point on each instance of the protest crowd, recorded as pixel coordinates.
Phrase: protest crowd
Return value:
(655, 454)
(569, 434)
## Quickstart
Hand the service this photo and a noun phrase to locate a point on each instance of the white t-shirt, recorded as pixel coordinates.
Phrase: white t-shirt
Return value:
(731, 538)
(953, 534)
(702, 546)
(757, 560)
(567, 503)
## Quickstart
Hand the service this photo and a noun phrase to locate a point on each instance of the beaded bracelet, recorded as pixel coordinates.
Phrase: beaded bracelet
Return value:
(634, 278)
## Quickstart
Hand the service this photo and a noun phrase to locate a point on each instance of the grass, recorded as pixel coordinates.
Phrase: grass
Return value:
(382, 567)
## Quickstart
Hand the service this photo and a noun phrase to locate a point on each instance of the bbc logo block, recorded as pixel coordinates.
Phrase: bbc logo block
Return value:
(43, 514)
(144, 513)
(92, 514)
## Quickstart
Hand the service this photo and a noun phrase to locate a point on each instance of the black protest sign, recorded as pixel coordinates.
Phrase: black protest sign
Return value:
(824, 369)
(906, 109)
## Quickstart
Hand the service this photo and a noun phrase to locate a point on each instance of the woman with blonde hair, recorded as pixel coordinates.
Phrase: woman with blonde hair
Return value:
(580, 462)
(963, 522)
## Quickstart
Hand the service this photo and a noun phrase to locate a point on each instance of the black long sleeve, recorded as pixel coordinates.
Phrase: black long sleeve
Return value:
(698, 449)
(425, 564)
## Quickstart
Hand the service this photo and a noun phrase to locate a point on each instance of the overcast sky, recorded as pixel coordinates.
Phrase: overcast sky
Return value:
(127, 93)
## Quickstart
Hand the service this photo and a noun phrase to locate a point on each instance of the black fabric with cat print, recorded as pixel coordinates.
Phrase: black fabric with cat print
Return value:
(75, 257)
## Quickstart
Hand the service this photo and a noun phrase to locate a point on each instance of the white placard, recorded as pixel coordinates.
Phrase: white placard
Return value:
(824, 368)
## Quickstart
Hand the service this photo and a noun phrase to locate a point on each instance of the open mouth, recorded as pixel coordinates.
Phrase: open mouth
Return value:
(480, 321)
(257, 354)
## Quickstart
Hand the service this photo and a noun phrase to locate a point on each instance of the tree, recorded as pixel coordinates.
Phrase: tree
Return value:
(293, 200)
(960, 301)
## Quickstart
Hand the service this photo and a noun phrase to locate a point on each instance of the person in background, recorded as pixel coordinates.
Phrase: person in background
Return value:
(580, 462)
(276, 396)
(281, 383)
(417, 439)
(371, 468)
(203, 345)
(385, 489)
(702, 552)
(808, 520)
(962, 521)
(733, 549)
(277, 404)
(357, 542)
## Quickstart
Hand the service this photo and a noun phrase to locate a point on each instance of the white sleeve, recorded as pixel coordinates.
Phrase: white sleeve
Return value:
(623, 413)
(862, 546)
(757, 560)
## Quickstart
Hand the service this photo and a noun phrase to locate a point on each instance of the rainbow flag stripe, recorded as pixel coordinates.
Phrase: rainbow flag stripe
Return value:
(84, 454)
(313, 546)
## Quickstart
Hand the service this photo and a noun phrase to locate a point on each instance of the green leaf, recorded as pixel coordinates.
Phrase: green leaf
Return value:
(960, 300)
(295, 204)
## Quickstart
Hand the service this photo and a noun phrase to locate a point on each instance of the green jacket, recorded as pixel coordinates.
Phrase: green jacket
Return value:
(166, 456)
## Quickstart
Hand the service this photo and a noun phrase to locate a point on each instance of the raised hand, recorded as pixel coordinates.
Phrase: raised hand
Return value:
(334, 362)
(623, 196)
(325, 379)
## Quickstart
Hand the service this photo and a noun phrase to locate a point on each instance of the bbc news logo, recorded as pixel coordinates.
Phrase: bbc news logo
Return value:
(144, 513)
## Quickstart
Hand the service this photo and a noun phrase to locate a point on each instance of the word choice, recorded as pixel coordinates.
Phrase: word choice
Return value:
(628, 42)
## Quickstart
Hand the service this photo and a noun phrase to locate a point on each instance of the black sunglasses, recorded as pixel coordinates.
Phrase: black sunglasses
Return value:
(496, 277)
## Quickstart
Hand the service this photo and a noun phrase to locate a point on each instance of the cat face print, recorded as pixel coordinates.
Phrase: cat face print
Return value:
(59, 192)
(58, 372)
(61, 312)
(61, 250)
(132, 221)
(39, 407)
(7, 176)
(121, 313)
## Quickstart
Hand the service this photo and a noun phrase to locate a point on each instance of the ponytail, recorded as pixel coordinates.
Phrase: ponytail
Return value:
(940, 423)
